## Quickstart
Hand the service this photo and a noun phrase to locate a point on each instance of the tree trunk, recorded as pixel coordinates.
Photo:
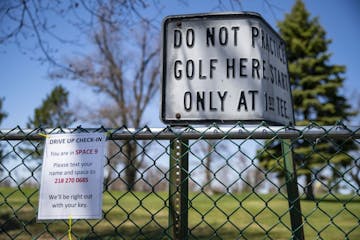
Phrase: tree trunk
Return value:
(130, 176)
(107, 178)
(208, 150)
(309, 188)
(131, 165)
(208, 175)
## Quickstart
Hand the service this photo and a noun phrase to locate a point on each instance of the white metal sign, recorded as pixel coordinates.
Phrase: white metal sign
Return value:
(224, 68)
(72, 176)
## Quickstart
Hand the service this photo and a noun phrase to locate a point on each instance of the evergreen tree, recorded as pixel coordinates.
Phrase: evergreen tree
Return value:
(316, 96)
(54, 111)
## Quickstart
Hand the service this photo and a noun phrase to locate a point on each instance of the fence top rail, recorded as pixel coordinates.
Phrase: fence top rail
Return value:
(211, 132)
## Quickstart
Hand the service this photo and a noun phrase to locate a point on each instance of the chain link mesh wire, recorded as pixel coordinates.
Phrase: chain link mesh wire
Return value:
(232, 194)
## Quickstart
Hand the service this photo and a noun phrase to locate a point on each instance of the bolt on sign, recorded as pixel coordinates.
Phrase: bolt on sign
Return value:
(224, 68)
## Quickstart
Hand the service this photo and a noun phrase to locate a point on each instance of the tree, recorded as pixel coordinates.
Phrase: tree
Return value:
(2, 116)
(208, 148)
(125, 74)
(110, 72)
(316, 93)
(2, 113)
(54, 111)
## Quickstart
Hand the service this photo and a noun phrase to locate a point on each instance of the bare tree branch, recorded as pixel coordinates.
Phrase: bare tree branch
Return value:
(34, 22)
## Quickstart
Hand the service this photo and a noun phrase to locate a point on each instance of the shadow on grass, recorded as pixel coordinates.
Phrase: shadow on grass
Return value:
(11, 226)
(129, 233)
(333, 199)
(204, 234)
(9, 222)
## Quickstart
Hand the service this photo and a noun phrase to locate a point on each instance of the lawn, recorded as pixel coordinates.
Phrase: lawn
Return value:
(145, 216)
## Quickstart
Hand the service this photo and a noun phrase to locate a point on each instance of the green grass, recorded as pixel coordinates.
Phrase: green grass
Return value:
(145, 216)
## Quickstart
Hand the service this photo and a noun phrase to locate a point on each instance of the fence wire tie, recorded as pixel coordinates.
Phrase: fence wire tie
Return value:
(69, 231)
(43, 135)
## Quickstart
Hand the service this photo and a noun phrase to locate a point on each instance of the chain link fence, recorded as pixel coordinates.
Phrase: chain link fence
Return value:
(234, 182)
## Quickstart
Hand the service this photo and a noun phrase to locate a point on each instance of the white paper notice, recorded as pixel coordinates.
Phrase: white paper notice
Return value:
(72, 176)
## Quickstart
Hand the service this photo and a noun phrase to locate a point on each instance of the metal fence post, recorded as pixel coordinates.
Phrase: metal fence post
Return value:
(178, 189)
(292, 191)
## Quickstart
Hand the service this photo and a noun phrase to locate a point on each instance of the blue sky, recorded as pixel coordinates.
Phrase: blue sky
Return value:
(24, 82)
